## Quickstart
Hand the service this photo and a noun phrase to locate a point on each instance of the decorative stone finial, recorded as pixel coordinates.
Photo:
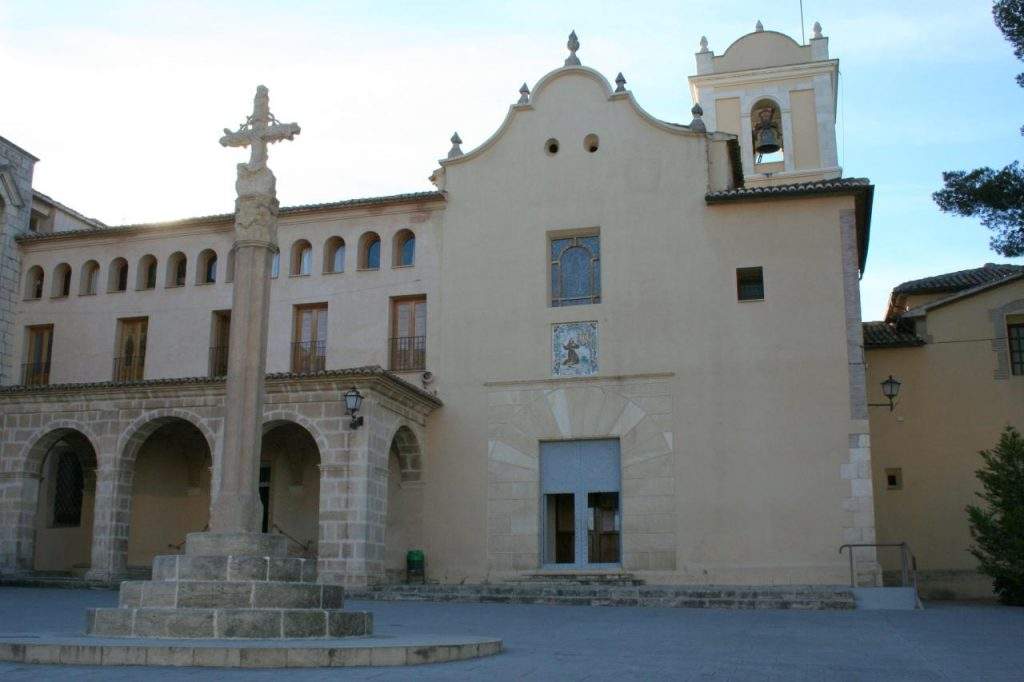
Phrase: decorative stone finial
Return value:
(704, 44)
(524, 95)
(573, 45)
(620, 83)
(817, 31)
(456, 150)
(758, 27)
(697, 124)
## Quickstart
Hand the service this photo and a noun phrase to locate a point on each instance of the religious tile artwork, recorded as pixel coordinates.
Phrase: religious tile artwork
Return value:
(574, 349)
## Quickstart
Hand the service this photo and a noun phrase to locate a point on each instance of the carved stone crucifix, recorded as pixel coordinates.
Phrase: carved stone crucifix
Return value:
(258, 130)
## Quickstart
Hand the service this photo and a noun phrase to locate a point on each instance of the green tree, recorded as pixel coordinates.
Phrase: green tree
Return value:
(998, 528)
(996, 197)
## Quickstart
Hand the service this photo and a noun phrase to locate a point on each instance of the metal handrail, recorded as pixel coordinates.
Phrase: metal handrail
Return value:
(305, 546)
(908, 562)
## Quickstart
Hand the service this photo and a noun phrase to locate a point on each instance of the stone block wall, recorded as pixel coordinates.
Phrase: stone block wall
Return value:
(16, 167)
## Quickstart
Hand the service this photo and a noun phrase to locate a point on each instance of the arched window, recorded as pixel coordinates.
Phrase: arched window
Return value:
(766, 130)
(34, 283)
(206, 273)
(334, 255)
(302, 258)
(177, 269)
(275, 265)
(405, 249)
(117, 275)
(575, 270)
(61, 281)
(90, 282)
(369, 251)
(146, 275)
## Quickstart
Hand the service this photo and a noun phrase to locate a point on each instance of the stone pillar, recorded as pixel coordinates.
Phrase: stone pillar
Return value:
(236, 504)
(19, 494)
(112, 511)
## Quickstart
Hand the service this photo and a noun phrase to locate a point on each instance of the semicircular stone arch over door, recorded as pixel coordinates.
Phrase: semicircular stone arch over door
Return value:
(636, 412)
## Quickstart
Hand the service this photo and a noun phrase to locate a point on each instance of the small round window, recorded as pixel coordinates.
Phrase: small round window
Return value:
(551, 146)
(590, 143)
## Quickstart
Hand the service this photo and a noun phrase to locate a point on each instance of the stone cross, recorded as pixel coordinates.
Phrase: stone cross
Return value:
(235, 511)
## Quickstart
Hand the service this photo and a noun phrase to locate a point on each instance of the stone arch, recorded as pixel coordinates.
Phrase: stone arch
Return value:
(143, 426)
(280, 415)
(638, 414)
(291, 456)
(403, 503)
(43, 438)
(25, 494)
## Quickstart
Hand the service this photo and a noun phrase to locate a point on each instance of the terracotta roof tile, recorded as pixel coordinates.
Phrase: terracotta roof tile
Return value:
(959, 280)
(888, 335)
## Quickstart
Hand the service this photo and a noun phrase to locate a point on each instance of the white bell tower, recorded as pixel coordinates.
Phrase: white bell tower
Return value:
(779, 98)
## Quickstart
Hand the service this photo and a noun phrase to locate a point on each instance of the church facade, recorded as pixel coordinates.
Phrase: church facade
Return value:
(604, 343)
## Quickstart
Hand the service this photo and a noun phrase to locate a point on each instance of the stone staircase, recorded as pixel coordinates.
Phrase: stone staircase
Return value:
(622, 591)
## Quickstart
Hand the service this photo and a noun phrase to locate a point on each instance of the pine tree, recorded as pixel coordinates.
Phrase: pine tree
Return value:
(998, 528)
(994, 196)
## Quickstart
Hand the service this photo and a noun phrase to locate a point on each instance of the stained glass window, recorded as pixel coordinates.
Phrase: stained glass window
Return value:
(575, 270)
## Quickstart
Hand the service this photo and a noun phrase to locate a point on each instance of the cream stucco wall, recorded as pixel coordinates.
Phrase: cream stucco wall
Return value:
(954, 401)
(754, 396)
(179, 336)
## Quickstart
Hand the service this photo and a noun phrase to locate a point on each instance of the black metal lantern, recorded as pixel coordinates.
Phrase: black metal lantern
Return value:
(353, 401)
(891, 391)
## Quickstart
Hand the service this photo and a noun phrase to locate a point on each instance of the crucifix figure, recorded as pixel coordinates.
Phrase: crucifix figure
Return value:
(258, 130)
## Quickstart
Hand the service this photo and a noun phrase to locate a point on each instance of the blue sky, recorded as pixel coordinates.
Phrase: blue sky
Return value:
(124, 101)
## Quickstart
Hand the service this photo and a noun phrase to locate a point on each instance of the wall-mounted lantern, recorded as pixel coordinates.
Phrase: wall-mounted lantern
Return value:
(891, 391)
(353, 401)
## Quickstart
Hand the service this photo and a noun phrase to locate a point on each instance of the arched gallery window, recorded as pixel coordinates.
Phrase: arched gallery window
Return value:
(61, 281)
(90, 279)
(334, 255)
(275, 265)
(146, 275)
(34, 283)
(177, 268)
(405, 249)
(369, 251)
(206, 273)
(117, 277)
(302, 258)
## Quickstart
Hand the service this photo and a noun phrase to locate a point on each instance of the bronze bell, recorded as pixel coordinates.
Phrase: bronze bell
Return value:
(768, 141)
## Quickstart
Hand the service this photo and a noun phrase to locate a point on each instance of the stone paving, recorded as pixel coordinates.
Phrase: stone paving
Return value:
(943, 642)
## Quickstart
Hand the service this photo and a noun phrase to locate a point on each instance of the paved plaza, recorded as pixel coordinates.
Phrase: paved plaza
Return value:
(943, 642)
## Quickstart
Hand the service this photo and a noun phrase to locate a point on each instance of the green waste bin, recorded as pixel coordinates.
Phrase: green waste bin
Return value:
(415, 566)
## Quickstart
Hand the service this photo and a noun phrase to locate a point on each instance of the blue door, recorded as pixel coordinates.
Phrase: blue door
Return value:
(580, 515)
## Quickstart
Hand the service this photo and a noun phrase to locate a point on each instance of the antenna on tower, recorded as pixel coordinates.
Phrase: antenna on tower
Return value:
(803, 37)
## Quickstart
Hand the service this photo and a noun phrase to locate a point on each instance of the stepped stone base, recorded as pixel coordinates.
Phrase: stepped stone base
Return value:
(210, 592)
(228, 623)
(391, 651)
(813, 597)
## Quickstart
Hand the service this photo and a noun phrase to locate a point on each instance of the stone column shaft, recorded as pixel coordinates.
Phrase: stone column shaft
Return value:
(236, 506)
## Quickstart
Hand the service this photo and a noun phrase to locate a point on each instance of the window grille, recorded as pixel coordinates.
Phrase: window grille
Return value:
(1015, 335)
(68, 487)
(575, 271)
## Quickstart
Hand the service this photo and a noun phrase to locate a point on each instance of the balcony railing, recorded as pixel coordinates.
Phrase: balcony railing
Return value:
(218, 361)
(129, 368)
(309, 356)
(408, 353)
(35, 374)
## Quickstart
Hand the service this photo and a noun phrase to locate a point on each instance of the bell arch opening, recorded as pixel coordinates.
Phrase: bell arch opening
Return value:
(64, 505)
(170, 490)
(290, 486)
(403, 529)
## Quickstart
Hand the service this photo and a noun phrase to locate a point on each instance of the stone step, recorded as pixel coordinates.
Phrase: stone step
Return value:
(578, 579)
(195, 567)
(230, 594)
(726, 597)
(210, 623)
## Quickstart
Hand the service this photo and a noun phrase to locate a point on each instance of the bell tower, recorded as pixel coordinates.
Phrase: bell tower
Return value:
(779, 98)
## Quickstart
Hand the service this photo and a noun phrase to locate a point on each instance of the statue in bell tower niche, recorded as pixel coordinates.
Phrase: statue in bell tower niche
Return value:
(767, 130)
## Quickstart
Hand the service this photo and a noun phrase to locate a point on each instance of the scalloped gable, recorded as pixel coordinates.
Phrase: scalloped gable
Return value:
(762, 49)
(546, 83)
